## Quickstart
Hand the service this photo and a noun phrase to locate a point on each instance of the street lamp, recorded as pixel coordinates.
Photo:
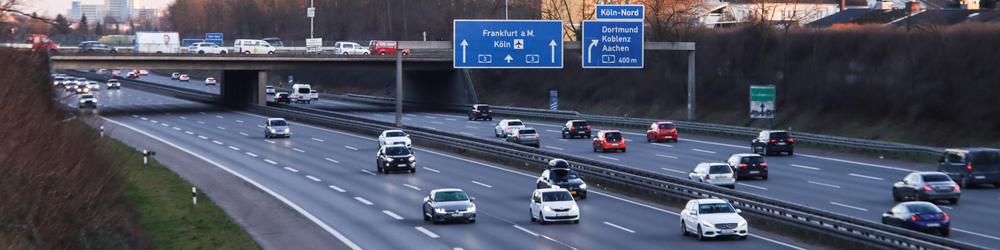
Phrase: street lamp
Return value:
(311, 14)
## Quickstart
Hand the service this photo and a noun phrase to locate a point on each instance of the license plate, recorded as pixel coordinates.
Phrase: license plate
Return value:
(401, 165)
(614, 144)
(572, 192)
(781, 143)
(456, 215)
(754, 172)
(562, 214)
(728, 231)
(980, 177)
(933, 224)
(482, 114)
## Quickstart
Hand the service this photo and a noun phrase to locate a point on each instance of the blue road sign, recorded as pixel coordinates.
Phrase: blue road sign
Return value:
(213, 36)
(289, 80)
(620, 11)
(612, 44)
(508, 44)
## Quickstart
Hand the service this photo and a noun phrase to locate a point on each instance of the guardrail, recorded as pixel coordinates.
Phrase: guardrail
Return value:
(864, 232)
(682, 125)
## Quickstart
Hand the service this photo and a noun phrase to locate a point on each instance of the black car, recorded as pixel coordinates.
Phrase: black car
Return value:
(771, 142)
(95, 46)
(481, 111)
(560, 175)
(748, 166)
(971, 166)
(395, 157)
(283, 97)
(574, 128)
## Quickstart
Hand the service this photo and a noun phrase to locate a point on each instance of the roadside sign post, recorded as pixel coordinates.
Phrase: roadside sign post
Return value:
(615, 40)
(554, 100)
(508, 44)
(289, 80)
(762, 102)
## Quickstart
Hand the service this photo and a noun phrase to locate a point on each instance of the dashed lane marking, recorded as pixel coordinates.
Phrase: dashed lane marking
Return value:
(667, 156)
(313, 178)
(619, 227)
(270, 161)
(292, 169)
(299, 150)
(411, 186)
(553, 147)
(482, 184)
(610, 158)
(676, 171)
(203, 137)
(393, 215)
(362, 200)
(427, 232)
(351, 148)
(703, 151)
(337, 188)
(234, 148)
(244, 134)
(805, 167)
(217, 142)
(824, 184)
(748, 185)
(332, 160)
(432, 170)
(251, 154)
(849, 206)
(317, 139)
(526, 230)
(866, 177)
(367, 172)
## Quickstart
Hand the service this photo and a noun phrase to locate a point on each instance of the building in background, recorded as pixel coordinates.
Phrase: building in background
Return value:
(92, 11)
(121, 10)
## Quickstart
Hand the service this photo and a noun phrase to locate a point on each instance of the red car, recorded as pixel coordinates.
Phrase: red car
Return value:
(609, 140)
(377, 47)
(132, 75)
(661, 131)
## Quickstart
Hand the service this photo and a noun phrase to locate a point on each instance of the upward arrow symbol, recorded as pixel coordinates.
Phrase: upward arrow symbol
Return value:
(464, 44)
(553, 44)
(508, 58)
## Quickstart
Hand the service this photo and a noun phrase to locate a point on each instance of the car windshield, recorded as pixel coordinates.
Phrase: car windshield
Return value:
(752, 160)
(720, 169)
(269, 87)
(515, 123)
(557, 196)
(614, 136)
(450, 196)
(560, 175)
(397, 151)
(278, 123)
(986, 157)
(395, 134)
(715, 208)
(526, 131)
(935, 177)
(923, 208)
(666, 126)
(780, 135)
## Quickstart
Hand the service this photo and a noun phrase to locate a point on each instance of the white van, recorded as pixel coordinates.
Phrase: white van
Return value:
(301, 93)
(349, 48)
(252, 46)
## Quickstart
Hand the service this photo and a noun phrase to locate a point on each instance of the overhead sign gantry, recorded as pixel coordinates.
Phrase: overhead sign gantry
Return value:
(508, 44)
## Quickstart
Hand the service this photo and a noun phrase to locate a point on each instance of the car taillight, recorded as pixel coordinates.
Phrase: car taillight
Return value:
(928, 188)
(477, 111)
(916, 217)
(957, 188)
(507, 128)
(743, 165)
(518, 136)
(588, 126)
(763, 164)
(490, 111)
(946, 217)
(969, 166)
(708, 177)
(773, 140)
(790, 140)
(734, 176)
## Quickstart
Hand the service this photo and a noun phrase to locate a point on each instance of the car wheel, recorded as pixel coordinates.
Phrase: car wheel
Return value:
(223, 52)
(953, 201)
(790, 153)
(684, 230)
(576, 222)
(541, 218)
(916, 196)
(963, 183)
(595, 149)
(766, 152)
(366, 53)
(413, 170)
(700, 236)
(532, 215)
(201, 52)
(470, 118)
(623, 150)
(895, 195)
(764, 177)
(564, 135)
(383, 53)
(648, 139)
(246, 52)
(270, 53)
(945, 232)
(753, 149)
(379, 166)
(743, 237)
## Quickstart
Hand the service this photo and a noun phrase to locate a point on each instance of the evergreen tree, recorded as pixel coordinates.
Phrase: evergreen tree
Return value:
(99, 29)
(83, 28)
(117, 31)
(61, 25)
(131, 26)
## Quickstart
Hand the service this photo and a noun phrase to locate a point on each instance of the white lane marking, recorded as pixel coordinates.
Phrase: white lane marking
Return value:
(220, 127)
(176, 128)
(270, 161)
(332, 160)
(393, 215)
(219, 116)
(203, 137)
(563, 140)
(201, 122)
(234, 148)
(183, 118)
(553, 147)
(430, 117)
(431, 128)
(553, 131)
(943, 206)
(292, 169)
(482, 184)
(849, 206)
(427, 232)
(474, 127)
(526, 230)
(824, 184)
(619, 227)
(411, 186)
(313, 178)
(154, 121)
(757, 187)
(299, 150)
(351, 148)
(362, 200)
(244, 134)
(260, 126)
(449, 119)
(189, 132)
(466, 133)
(866, 177)
(667, 156)
(144, 118)
(251, 154)
(217, 142)
(663, 145)
(317, 139)
(432, 170)
(805, 167)
(269, 141)
(240, 121)
(858, 163)
(605, 157)
(676, 171)
(135, 116)
(436, 122)
(291, 204)
(165, 125)
(975, 233)
(411, 115)
(367, 172)
(337, 188)
(703, 151)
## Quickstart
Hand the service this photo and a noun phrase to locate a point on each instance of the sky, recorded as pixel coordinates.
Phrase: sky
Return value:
(51, 8)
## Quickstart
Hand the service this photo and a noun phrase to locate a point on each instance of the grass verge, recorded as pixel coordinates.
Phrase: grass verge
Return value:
(163, 199)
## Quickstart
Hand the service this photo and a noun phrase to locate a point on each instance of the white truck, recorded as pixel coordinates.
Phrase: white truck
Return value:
(157, 42)
(301, 93)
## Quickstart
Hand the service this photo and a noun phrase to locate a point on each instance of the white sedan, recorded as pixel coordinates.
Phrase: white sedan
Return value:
(209, 48)
(393, 137)
(506, 125)
(709, 218)
(553, 204)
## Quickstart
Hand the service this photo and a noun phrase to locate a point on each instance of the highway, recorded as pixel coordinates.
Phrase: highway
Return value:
(331, 175)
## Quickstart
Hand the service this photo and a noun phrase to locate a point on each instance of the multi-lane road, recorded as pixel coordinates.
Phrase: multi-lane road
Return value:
(853, 185)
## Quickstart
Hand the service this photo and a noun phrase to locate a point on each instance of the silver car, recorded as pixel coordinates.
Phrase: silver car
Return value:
(275, 127)
(926, 186)
(505, 126)
(349, 48)
(524, 136)
(715, 173)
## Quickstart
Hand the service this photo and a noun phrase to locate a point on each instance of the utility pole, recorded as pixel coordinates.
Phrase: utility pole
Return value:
(312, 16)
(506, 12)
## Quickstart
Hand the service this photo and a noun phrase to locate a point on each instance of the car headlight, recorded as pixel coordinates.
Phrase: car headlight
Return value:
(412, 158)
(742, 223)
(288, 130)
(82, 101)
(439, 210)
(472, 208)
(583, 186)
(706, 224)
(547, 208)
(272, 130)
(574, 207)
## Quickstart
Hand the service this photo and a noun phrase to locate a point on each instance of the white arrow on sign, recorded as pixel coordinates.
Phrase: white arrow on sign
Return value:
(553, 45)
(463, 49)
(592, 44)
(508, 58)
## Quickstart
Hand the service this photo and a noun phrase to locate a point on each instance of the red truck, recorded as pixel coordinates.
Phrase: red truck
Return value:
(40, 42)
(377, 47)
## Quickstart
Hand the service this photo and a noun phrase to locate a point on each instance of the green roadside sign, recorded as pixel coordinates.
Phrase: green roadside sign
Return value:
(762, 102)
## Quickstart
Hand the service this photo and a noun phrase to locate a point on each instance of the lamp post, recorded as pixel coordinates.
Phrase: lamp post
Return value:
(311, 13)
(506, 12)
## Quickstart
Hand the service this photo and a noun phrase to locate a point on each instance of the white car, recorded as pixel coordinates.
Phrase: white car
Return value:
(716, 173)
(269, 90)
(506, 125)
(93, 85)
(553, 204)
(349, 48)
(210, 81)
(88, 100)
(393, 137)
(209, 48)
(313, 95)
(709, 218)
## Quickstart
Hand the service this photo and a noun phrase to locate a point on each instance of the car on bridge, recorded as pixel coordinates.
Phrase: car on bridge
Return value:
(524, 136)
(252, 46)
(283, 97)
(553, 204)
(559, 175)
(748, 166)
(95, 46)
(349, 48)
(395, 157)
(574, 128)
(210, 81)
(714, 173)
(449, 204)
(710, 218)
(184, 78)
(505, 126)
(376, 47)
(771, 142)
(275, 127)
(481, 111)
(665, 131)
(971, 166)
(609, 140)
(88, 100)
(209, 48)
(926, 186)
(394, 137)
(918, 216)
(114, 84)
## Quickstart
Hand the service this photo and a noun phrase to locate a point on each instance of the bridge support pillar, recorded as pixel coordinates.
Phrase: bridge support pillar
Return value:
(243, 86)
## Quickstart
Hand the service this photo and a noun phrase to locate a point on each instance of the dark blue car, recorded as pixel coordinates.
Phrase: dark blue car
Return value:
(919, 216)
